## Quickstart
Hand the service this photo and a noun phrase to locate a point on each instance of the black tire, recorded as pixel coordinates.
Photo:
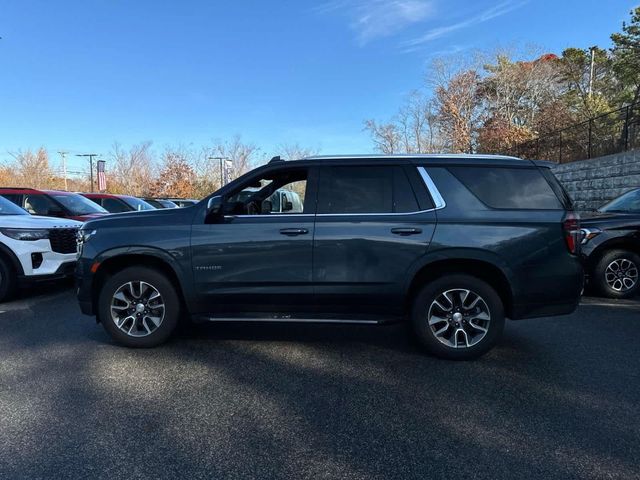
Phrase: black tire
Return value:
(8, 280)
(426, 336)
(169, 298)
(600, 274)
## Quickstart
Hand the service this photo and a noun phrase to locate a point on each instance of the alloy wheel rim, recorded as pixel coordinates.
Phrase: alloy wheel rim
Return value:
(137, 308)
(621, 275)
(459, 318)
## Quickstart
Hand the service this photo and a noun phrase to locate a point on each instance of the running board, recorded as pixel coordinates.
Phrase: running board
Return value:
(344, 319)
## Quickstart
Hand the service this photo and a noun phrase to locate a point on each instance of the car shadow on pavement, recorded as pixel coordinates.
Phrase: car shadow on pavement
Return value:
(308, 401)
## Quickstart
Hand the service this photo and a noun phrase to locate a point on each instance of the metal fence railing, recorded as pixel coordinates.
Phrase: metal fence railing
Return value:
(612, 132)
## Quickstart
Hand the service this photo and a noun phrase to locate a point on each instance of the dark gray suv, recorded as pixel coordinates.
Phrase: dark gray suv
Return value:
(451, 243)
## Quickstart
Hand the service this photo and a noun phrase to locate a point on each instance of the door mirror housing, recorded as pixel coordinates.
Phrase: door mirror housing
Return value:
(214, 207)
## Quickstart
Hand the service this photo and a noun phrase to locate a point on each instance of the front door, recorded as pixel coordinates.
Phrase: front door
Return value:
(259, 256)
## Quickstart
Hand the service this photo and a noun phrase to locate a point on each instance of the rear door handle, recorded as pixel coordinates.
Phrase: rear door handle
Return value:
(292, 232)
(406, 231)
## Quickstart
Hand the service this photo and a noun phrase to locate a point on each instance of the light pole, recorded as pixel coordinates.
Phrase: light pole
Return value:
(90, 155)
(221, 159)
(63, 154)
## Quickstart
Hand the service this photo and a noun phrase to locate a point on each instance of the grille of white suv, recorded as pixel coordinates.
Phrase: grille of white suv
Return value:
(63, 240)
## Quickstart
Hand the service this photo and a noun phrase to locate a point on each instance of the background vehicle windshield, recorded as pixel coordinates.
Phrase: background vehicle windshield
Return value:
(9, 208)
(77, 204)
(138, 204)
(627, 203)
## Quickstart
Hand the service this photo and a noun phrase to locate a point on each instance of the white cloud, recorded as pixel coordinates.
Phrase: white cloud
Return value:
(372, 19)
(488, 14)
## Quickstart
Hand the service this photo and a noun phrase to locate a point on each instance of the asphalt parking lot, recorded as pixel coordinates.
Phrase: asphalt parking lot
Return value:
(558, 398)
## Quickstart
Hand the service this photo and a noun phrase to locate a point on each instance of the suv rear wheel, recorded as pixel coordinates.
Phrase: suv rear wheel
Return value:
(616, 275)
(139, 307)
(458, 317)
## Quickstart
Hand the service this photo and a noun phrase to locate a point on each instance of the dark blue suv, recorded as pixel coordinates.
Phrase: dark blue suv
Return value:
(451, 243)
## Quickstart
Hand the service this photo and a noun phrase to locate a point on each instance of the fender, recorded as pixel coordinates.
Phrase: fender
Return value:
(175, 259)
(448, 254)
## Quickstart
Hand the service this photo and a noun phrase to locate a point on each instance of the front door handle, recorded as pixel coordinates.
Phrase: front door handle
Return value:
(292, 232)
(406, 231)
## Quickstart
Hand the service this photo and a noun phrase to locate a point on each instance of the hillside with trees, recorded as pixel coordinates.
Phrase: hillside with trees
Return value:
(495, 102)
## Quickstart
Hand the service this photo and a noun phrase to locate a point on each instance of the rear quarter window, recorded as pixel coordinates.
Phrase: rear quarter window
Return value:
(509, 188)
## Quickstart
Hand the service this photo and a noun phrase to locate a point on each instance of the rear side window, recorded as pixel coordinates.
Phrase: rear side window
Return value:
(503, 187)
(365, 189)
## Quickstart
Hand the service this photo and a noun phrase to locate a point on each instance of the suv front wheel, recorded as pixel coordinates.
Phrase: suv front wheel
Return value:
(139, 307)
(457, 317)
(616, 275)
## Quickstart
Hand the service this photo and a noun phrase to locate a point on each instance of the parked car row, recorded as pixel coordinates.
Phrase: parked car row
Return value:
(39, 228)
(83, 206)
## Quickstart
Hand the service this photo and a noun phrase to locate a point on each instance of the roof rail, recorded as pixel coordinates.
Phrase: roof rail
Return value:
(276, 159)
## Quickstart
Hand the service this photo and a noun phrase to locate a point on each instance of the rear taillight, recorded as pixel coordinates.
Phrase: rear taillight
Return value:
(571, 228)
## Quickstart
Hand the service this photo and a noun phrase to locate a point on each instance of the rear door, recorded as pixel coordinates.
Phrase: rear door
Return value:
(373, 224)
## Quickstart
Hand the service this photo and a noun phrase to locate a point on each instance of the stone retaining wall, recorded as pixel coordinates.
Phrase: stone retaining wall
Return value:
(596, 181)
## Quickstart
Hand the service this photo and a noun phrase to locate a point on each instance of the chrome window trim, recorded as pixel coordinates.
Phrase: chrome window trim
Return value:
(438, 201)
(374, 214)
(271, 215)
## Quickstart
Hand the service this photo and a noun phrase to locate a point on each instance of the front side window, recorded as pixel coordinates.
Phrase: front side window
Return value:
(38, 204)
(273, 193)
(365, 189)
(508, 188)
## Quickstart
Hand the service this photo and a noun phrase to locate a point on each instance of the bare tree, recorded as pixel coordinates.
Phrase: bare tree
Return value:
(293, 151)
(132, 171)
(31, 169)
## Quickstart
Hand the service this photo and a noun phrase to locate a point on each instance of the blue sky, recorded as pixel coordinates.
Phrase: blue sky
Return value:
(80, 75)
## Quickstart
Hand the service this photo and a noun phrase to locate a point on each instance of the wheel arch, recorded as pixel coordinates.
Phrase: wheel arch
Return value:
(12, 259)
(483, 268)
(618, 243)
(113, 262)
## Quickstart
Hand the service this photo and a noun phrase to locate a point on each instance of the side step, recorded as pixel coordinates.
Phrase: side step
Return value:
(296, 318)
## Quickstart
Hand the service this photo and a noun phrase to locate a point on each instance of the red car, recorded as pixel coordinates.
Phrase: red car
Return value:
(118, 203)
(53, 203)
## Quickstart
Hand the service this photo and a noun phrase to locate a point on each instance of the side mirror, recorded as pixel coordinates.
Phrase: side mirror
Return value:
(287, 207)
(214, 206)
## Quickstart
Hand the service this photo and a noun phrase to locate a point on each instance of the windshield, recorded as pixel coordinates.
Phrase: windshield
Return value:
(138, 204)
(7, 207)
(77, 204)
(627, 203)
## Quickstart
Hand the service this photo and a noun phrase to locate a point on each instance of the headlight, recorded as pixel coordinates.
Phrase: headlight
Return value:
(589, 233)
(27, 234)
(85, 235)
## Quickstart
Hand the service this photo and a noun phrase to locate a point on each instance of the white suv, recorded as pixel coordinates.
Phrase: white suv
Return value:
(33, 247)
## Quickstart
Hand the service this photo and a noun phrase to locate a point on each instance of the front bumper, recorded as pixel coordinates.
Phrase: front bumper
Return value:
(65, 270)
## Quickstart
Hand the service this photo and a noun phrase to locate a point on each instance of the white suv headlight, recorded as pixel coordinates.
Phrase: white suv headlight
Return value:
(27, 234)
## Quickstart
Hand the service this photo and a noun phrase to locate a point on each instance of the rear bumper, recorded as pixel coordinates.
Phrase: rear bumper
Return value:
(558, 293)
